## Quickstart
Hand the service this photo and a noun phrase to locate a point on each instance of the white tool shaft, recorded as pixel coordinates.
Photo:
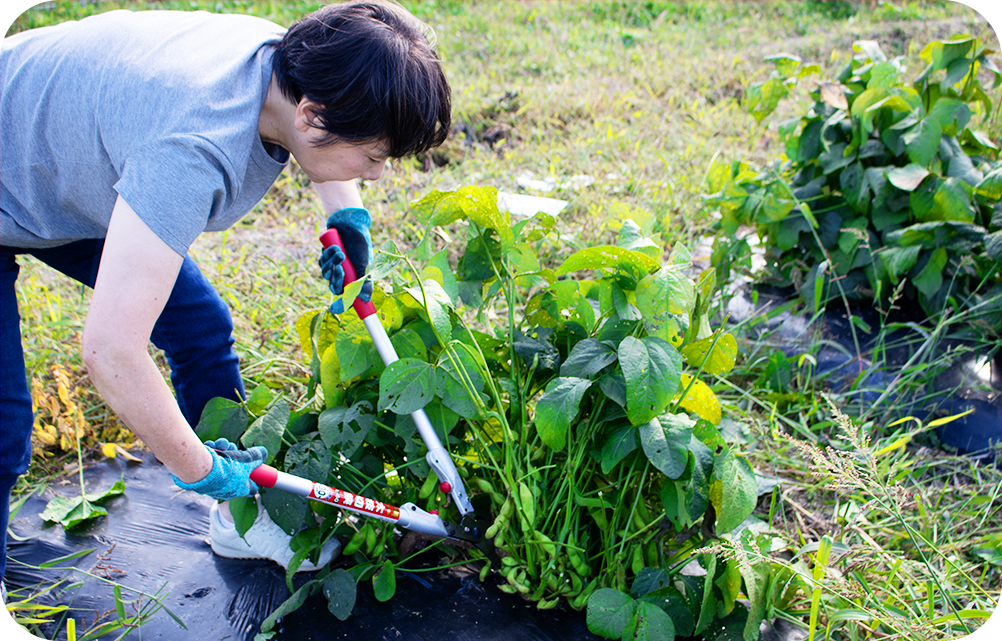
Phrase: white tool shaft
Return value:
(438, 458)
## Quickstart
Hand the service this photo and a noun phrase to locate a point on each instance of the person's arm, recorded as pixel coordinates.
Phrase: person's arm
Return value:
(338, 195)
(343, 206)
(135, 279)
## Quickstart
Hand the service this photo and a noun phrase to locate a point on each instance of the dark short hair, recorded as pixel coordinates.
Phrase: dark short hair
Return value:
(373, 68)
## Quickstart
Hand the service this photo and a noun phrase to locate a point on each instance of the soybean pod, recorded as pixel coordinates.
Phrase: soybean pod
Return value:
(357, 539)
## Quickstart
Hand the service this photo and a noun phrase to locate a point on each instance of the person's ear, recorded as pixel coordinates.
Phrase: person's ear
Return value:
(307, 115)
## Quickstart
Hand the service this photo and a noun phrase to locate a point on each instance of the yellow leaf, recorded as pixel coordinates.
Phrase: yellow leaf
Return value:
(46, 434)
(948, 419)
(330, 377)
(901, 442)
(109, 450)
(303, 330)
(699, 399)
(390, 314)
(674, 332)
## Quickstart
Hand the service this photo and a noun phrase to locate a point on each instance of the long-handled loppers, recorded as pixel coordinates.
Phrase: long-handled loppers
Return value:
(408, 515)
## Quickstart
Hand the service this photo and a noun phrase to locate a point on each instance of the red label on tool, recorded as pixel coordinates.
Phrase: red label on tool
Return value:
(356, 502)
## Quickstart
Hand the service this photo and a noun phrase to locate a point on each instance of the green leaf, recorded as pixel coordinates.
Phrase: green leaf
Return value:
(222, 418)
(659, 297)
(384, 582)
(898, 260)
(309, 458)
(533, 347)
(620, 443)
(922, 201)
(479, 204)
(786, 63)
(355, 349)
(907, 178)
(408, 344)
(851, 234)
(649, 623)
(436, 302)
(756, 576)
(588, 357)
(439, 270)
(870, 50)
(609, 612)
(930, 279)
(953, 200)
(290, 605)
(883, 74)
(631, 237)
(625, 310)
(558, 408)
(991, 186)
(977, 143)
(650, 580)
(993, 246)
(449, 383)
(666, 443)
(860, 112)
(851, 182)
(630, 262)
(775, 207)
(721, 358)
(835, 158)
(288, 511)
(406, 386)
(259, 399)
(708, 607)
(341, 591)
(962, 167)
(733, 490)
(71, 511)
(922, 141)
(956, 71)
(344, 428)
(244, 511)
(788, 233)
(268, 429)
(652, 370)
(762, 98)
(952, 115)
(440, 319)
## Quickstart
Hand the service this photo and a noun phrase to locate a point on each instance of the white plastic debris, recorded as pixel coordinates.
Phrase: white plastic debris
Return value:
(522, 205)
(529, 181)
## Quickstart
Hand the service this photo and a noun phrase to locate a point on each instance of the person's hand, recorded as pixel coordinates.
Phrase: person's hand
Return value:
(352, 225)
(230, 474)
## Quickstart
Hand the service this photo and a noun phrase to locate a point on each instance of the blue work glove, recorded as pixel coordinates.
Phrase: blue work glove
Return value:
(230, 474)
(352, 224)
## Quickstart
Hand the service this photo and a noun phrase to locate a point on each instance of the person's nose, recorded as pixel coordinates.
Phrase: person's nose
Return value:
(374, 171)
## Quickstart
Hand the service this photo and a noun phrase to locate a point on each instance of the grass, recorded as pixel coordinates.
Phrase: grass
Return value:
(618, 92)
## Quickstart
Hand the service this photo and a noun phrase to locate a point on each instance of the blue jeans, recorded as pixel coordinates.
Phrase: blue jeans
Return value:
(195, 331)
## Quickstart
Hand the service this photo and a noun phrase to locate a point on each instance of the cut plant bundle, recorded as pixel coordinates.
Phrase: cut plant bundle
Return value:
(888, 187)
(570, 399)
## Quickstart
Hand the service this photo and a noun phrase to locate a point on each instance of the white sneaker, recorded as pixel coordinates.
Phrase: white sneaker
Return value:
(264, 540)
(3, 592)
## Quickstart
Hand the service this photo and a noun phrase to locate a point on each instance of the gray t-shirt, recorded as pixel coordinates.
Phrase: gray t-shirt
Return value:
(159, 107)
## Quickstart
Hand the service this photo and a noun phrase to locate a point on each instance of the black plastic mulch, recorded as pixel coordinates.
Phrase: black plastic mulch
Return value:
(156, 537)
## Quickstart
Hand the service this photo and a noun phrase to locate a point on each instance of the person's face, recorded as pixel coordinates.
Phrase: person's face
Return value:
(339, 161)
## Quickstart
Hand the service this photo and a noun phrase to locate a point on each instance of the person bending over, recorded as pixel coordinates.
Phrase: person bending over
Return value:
(126, 135)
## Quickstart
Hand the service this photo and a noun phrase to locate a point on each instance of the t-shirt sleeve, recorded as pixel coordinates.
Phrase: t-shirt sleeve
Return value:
(174, 184)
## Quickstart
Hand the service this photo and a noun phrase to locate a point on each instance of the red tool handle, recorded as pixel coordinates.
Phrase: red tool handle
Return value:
(331, 237)
(264, 475)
